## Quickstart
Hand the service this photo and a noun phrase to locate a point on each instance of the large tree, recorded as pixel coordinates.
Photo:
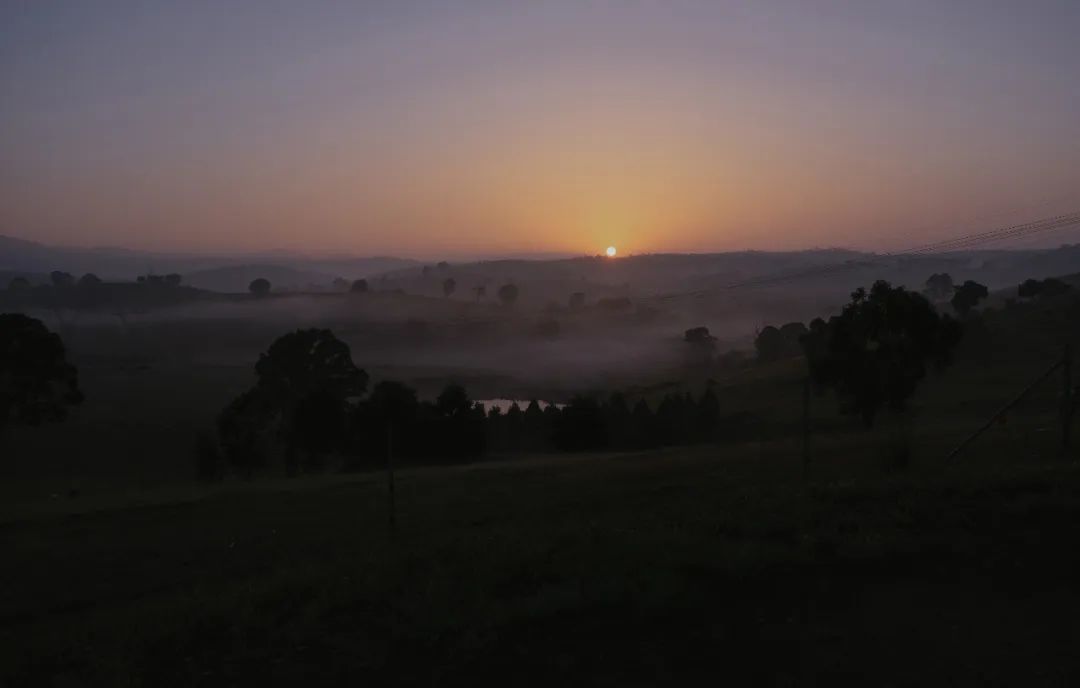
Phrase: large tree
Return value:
(875, 353)
(37, 383)
(939, 286)
(967, 296)
(306, 379)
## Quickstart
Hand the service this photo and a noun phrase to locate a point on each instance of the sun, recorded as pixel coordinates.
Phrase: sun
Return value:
(611, 252)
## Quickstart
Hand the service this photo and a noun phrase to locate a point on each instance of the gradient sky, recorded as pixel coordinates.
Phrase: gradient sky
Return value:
(457, 128)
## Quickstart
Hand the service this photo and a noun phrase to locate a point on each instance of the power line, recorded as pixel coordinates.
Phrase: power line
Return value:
(965, 242)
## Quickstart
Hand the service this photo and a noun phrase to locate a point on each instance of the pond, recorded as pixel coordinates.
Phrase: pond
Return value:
(504, 404)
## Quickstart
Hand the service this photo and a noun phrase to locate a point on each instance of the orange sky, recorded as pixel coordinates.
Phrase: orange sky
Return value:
(486, 130)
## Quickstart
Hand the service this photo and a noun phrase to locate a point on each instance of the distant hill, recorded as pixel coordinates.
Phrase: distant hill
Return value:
(236, 278)
(826, 273)
(30, 258)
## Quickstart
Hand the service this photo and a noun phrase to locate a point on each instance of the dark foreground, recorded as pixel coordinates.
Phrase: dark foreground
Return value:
(633, 570)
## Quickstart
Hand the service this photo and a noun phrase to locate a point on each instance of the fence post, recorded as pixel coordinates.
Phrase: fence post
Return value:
(1066, 401)
(390, 476)
(805, 427)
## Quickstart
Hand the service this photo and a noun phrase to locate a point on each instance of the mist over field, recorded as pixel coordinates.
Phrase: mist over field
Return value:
(550, 343)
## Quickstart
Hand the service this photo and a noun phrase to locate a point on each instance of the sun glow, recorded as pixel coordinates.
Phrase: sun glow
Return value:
(611, 251)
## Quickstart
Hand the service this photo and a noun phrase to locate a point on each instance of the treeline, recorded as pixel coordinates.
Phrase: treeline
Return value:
(311, 408)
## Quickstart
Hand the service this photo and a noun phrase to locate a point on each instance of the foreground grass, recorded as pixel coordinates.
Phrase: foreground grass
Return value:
(619, 570)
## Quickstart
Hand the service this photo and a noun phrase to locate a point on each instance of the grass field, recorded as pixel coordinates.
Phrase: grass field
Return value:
(640, 569)
(617, 570)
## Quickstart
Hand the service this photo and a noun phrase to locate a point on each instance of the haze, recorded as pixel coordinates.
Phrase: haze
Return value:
(443, 129)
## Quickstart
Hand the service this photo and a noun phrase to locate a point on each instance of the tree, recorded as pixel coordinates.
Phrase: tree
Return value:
(18, 284)
(1033, 288)
(939, 286)
(875, 353)
(708, 413)
(967, 296)
(307, 361)
(37, 384)
(448, 286)
(453, 401)
(480, 291)
(305, 381)
(769, 344)
(61, 279)
(89, 280)
(792, 333)
(702, 345)
(359, 286)
(581, 426)
(245, 431)
(259, 287)
(773, 344)
(508, 294)
(173, 279)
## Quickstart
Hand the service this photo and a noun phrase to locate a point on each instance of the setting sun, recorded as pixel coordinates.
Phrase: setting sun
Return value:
(610, 252)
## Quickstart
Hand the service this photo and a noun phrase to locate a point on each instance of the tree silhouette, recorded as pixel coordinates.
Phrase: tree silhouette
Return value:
(939, 286)
(769, 344)
(703, 343)
(246, 432)
(173, 279)
(448, 286)
(259, 286)
(967, 296)
(37, 384)
(508, 294)
(392, 412)
(1033, 288)
(581, 426)
(792, 333)
(453, 401)
(359, 286)
(708, 413)
(305, 380)
(18, 284)
(307, 361)
(61, 279)
(89, 280)
(876, 351)
(773, 344)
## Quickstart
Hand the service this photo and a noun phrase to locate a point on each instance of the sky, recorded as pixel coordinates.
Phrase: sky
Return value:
(481, 128)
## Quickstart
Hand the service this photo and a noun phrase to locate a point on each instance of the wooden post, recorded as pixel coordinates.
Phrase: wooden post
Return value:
(805, 427)
(1066, 401)
(390, 476)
